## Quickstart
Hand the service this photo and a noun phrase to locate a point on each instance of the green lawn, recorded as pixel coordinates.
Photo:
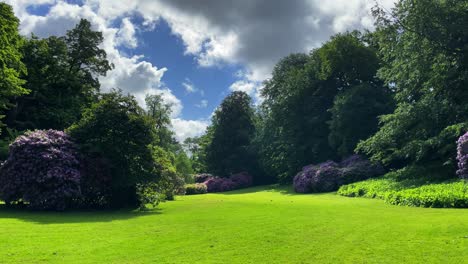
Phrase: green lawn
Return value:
(258, 225)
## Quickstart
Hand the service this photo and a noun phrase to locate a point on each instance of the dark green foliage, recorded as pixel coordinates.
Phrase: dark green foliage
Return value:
(117, 129)
(62, 76)
(294, 129)
(11, 66)
(354, 115)
(424, 48)
(229, 150)
(196, 188)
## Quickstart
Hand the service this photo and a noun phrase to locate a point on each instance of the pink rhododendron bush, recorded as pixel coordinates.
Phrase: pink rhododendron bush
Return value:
(42, 171)
(220, 184)
(462, 156)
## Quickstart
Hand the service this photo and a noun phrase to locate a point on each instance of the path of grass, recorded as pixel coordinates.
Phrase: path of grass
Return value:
(260, 225)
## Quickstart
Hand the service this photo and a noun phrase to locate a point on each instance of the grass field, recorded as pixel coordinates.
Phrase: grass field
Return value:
(257, 225)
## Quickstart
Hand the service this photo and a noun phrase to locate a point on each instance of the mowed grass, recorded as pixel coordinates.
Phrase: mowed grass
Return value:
(257, 225)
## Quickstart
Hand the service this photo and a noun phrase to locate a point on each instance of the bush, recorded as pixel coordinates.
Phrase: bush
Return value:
(203, 177)
(219, 185)
(413, 192)
(42, 171)
(117, 129)
(196, 188)
(357, 168)
(242, 179)
(462, 156)
(329, 175)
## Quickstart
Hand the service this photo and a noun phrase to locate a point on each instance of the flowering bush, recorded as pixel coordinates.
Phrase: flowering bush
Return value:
(357, 168)
(42, 171)
(219, 185)
(196, 188)
(329, 175)
(242, 179)
(203, 177)
(462, 156)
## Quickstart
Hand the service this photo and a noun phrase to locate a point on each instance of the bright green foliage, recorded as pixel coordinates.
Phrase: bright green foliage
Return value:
(411, 192)
(184, 166)
(11, 66)
(160, 113)
(294, 129)
(245, 226)
(424, 46)
(196, 146)
(117, 127)
(355, 115)
(195, 188)
(63, 78)
(229, 150)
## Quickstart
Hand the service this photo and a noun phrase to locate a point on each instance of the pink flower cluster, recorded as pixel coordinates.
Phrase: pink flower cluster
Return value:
(462, 156)
(218, 184)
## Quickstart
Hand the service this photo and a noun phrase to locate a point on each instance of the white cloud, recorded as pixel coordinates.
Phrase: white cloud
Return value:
(189, 87)
(254, 34)
(203, 104)
(188, 128)
(126, 34)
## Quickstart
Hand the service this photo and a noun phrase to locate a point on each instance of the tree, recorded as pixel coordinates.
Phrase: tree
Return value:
(354, 116)
(119, 130)
(11, 66)
(294, 128)
(160, 113)
(229, 150)
(424, 48)
(63, 78)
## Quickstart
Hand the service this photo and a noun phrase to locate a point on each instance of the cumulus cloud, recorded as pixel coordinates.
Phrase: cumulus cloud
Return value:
(252, 33)
(188, 128)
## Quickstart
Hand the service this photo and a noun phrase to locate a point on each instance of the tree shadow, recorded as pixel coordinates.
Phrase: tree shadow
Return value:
(274, 188)
(73, 216)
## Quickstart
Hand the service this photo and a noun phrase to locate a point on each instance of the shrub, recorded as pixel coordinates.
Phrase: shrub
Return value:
(242, 179)
(357, 168)
(219, 185)
(413, 192)
(195, 188)
(42, 171)
(117, 128)
(203, 177)
(329, 175)
(96, 180)
(462, 156)
(326, 179)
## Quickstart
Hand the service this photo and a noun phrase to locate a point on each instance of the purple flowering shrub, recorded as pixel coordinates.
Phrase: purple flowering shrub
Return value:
(42, 171)
(242, 179)
(203, 177)
(218, 184)
(357, 168)
(329, 176)
(462, 156)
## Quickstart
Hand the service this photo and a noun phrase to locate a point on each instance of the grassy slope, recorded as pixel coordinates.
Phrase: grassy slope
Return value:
(262, 225)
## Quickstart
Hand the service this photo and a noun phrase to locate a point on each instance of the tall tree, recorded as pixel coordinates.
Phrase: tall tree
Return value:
(233, 128)
(62, 76)
(295, 113)
(11, 66)
(160, 113)
(424, 47)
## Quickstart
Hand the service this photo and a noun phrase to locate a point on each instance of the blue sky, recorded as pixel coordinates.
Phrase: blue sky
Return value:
(195, 52)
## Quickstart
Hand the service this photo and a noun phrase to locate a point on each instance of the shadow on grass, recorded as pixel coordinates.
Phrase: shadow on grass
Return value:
(72, 216)
(274, 188)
